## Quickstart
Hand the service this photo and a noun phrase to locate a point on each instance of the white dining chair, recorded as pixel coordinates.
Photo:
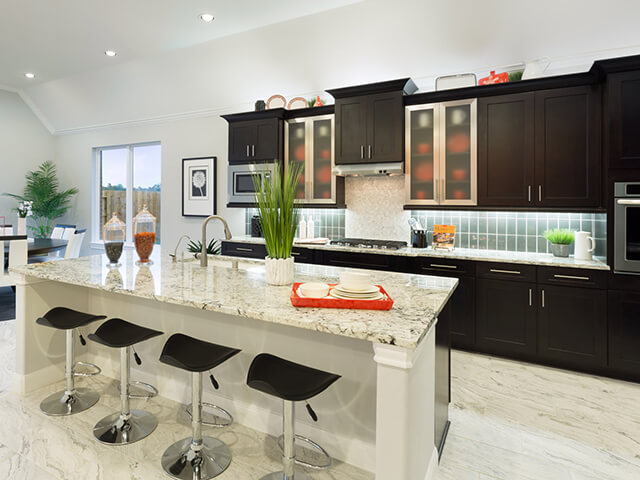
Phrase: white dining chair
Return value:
(78, 240)
(57, 232)
(6, 230)
(18, 253)
(68, 233)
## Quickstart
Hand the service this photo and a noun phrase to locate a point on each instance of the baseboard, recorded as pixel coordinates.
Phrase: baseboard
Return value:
(24, 384)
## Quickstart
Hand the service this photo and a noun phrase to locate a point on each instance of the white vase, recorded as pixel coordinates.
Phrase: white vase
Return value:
(279, 270)
(22, 226)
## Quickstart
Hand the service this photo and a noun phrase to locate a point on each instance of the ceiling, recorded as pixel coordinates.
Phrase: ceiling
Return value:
(58, 39)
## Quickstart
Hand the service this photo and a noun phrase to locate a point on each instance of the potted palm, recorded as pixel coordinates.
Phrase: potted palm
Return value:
(560, 239)
(275, 198)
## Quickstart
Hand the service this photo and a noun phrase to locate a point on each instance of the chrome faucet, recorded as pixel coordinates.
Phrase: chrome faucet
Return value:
(175, 252)
(204, 261)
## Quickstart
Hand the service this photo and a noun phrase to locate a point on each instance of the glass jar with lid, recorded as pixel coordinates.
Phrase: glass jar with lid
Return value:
(113, 234)
(144, 235)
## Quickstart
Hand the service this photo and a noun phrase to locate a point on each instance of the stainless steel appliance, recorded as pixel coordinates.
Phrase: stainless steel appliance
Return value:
(365, 243)
(626, 249)
(241, 186)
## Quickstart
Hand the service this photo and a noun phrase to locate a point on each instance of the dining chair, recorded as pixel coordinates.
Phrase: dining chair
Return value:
(6, 230)
(18, 252)
(65, 232)
(77, 244)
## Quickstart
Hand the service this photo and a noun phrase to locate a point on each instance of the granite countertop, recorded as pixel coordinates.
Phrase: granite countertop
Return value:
(237, 287)
(543, 259)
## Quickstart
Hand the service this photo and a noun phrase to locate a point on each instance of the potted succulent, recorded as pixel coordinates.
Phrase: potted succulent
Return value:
(275, 198)
(560, 239)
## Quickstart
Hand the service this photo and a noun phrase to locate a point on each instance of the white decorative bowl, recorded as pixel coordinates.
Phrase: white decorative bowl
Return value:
(314, 289)
(354, 280)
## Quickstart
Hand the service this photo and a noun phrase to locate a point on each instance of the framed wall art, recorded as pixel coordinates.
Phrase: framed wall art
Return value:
(199, 182)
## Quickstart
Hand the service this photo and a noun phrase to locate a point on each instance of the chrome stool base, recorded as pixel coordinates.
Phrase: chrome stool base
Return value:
(325, 458)
(61, 404)
(113, 430)
(280, 476)
(97, 370)
(180, 462)
(140, 390)
(212, 419)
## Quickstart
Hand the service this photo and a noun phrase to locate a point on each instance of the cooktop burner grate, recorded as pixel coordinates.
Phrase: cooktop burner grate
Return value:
(367, 243)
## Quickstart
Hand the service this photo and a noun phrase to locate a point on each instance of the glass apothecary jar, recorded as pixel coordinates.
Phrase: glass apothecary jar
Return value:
(144, 235)
(113, 234)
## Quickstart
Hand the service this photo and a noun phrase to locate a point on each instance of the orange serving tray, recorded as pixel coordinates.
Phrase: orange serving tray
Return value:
(330, 302)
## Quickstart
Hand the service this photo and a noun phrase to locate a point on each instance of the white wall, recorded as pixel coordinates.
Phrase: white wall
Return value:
(24, 144)
(150, 98)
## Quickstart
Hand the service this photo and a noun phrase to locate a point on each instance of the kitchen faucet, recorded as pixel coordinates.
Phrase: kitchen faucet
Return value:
(204, 261)
(175, 252)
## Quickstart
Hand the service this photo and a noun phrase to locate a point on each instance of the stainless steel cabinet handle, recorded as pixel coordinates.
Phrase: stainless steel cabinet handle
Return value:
(248, 150)
(361, 151)
(622, 201)
(442, 199)
(437, 265)
(529, 192)
(295, 254)
(497, 270)
(530, 298)
(242, 249)
(253, 150)
(539, 193)
(571, 277)
(542, 298)
(370, 150)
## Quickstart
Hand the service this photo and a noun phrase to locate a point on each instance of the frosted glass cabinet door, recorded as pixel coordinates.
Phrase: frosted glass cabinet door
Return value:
(323, 181)
(458, 142)
(422, 154)
(296, 153)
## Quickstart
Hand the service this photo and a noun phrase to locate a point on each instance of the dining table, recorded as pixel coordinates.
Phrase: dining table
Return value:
(42, 246)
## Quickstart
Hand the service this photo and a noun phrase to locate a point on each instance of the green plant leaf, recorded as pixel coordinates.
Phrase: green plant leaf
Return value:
(560, 236)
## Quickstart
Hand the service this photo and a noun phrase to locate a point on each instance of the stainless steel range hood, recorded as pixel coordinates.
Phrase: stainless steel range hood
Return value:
(368, 169)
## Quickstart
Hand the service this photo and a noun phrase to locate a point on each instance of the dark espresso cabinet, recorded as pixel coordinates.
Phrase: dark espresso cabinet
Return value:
(255, 140)
(505, 150)
(623, 112)
(540, 149)
(624, 333)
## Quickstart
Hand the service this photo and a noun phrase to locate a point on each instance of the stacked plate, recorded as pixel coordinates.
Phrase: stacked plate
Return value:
(370, 292)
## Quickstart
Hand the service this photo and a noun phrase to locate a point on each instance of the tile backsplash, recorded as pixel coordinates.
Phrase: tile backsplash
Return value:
(513, 231)
(328, 222)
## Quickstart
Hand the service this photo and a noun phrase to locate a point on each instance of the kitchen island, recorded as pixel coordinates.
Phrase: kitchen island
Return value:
(379, 416)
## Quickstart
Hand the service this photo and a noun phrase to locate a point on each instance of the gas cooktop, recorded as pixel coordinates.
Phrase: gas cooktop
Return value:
(364, 243)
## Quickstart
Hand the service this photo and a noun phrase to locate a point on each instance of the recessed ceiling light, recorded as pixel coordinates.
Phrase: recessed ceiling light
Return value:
(207, 17)
(30, 75)
(110, 53)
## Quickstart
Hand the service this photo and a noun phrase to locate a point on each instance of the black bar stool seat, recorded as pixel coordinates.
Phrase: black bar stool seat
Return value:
(198, 456)
(63, 318)
(292, 382)
(118, 333)
(126, 426)
(71, 400)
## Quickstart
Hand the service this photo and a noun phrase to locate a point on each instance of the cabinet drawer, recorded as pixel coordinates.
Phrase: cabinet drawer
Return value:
(302, 255)
(445, 266)
(248, 250)
(578, 277)
(365, 260)
(516, 272)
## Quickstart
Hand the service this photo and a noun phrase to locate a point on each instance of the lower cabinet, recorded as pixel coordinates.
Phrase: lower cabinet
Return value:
(506, 318)
(624, 333)
(248, 250)
(572, 326)
(372, 261)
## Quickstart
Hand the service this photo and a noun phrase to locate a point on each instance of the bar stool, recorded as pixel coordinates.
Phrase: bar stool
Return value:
(196, 456)
(126, 426)
(71, 400)
(292, 383)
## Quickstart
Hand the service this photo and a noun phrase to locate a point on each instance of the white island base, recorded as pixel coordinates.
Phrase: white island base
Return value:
(392, 436)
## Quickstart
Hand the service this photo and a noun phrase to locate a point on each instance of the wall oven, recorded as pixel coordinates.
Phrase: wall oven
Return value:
(627, 228)
(241, 186)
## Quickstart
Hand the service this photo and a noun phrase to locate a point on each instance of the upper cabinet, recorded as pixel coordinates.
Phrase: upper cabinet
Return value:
(623, 102)
(309, 142)
(441, 165)
(370, 122)
(540, 149)
(255, 136)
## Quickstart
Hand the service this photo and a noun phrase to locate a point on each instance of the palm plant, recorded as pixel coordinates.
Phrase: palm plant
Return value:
(48, 201)
(277, 210)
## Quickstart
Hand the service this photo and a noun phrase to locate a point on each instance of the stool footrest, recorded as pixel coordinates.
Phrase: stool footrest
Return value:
(218, 418)
(148, 390)
(97, 371)
(325, 459)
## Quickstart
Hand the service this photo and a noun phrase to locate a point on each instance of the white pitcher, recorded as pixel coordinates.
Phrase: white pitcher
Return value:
(535, 68)
(585, 245)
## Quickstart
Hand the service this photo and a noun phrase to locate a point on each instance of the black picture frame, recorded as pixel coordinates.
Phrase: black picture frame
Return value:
(191, 206)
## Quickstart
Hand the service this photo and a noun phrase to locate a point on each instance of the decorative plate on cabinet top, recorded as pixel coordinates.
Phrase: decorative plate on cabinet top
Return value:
(276, 101)
(296, 103)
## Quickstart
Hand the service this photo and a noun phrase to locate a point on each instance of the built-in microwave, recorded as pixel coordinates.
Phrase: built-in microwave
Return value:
(626, 253)
(241, 180)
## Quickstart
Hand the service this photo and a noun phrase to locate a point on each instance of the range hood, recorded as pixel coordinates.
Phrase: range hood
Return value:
(368, 169)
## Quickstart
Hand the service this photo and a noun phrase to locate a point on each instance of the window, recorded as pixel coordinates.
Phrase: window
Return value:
(127, 177)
